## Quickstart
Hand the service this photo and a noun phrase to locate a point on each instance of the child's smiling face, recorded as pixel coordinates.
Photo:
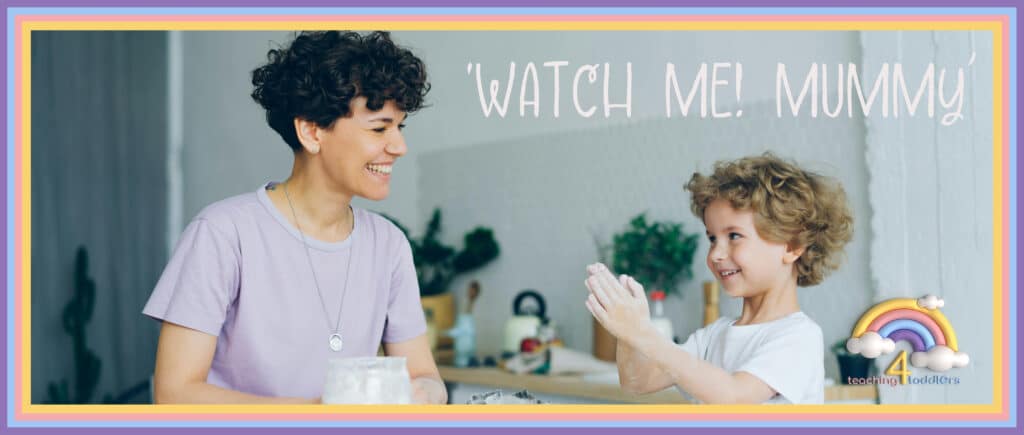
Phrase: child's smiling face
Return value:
(743, 262)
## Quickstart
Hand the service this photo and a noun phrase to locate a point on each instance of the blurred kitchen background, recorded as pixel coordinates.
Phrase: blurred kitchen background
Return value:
(134, 132)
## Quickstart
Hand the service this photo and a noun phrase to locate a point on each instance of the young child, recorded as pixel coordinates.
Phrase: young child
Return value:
(772, 227)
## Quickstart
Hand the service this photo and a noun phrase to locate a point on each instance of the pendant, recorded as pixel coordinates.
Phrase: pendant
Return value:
(335, 342)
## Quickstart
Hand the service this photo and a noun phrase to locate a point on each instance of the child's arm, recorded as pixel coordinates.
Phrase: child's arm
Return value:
(703, 380)
(624, 313)
(637, 373)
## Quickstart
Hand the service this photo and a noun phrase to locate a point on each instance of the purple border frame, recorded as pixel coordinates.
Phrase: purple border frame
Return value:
(515, 3)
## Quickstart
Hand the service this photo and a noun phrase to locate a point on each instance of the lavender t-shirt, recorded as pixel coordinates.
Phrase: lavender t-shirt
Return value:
(240, 272)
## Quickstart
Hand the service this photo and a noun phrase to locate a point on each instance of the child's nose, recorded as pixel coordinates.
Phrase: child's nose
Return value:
(717, 252)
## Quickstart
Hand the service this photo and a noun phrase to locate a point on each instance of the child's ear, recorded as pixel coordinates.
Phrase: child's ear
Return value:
(792, 254)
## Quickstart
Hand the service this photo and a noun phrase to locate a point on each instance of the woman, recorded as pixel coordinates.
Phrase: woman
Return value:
(264, 288)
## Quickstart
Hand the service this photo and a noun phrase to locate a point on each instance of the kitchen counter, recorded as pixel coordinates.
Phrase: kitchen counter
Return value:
(576, 386)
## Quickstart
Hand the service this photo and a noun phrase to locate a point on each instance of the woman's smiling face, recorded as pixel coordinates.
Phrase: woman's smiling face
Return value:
(359, 150)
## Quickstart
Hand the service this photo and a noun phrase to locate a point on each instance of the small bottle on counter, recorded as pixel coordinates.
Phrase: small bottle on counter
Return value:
(661, 323)
(464, 334)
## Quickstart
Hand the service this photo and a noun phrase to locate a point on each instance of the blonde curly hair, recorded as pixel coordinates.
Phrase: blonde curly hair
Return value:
(790, 205)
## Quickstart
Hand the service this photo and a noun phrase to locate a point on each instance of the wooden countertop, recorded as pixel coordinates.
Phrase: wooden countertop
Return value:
(575, 386)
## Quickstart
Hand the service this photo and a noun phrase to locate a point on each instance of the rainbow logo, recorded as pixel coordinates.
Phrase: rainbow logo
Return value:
(917, 321)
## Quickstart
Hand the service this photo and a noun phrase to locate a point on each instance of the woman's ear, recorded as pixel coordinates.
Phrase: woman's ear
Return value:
(309, 135)
(792, 254)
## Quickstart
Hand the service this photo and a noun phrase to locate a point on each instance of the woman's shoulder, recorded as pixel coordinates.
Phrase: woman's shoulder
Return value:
(380, 226)
(228, 212)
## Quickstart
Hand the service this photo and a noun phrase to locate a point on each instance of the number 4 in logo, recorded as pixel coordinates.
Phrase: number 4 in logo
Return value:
(898, 367)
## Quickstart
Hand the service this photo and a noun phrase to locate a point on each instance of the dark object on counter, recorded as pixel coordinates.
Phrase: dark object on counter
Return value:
(489, 361)
(497, 397)
(520, 310)
(851, 365)
(474, 361)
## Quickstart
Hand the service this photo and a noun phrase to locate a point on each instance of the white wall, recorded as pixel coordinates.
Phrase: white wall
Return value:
(228, 147)
(456, 103)
(931, 200)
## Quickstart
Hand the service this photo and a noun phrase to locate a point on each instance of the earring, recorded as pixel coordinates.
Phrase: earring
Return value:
(315, 148)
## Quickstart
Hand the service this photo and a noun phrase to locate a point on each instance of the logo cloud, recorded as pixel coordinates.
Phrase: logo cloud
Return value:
(939, 359)
(930, 302)
(870, 345)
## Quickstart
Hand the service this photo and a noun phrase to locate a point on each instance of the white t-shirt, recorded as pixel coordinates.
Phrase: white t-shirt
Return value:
(787, 354)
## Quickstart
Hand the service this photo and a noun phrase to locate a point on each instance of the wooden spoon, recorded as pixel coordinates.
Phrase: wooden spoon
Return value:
(473, 293)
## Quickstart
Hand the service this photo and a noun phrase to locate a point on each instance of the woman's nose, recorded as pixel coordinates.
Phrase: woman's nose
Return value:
(396, 144)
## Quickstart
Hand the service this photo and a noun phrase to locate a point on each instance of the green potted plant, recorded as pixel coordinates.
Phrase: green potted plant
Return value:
(438, 264)
(657, 254)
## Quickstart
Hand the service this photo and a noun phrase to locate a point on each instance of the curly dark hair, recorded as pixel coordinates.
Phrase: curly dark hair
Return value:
(317, 76)
(790, 205)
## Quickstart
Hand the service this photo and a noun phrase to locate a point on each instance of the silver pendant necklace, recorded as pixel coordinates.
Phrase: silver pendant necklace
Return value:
(334, 341)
